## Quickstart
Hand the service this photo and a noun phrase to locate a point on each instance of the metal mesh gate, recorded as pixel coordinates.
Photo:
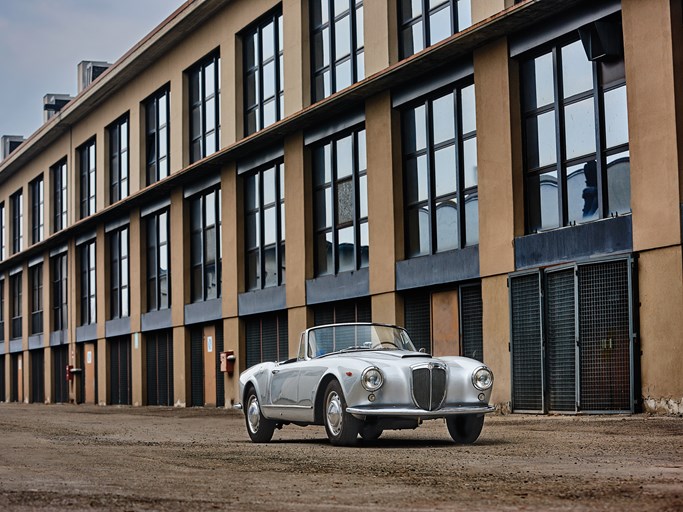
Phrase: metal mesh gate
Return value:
(561, 340)
(37, 376)
(119, 371)
(267, 338)
(604, 319)
(159, 351)
(471, 322)
(197, 366)
(418, 319)
(526, 343)
(60, 358)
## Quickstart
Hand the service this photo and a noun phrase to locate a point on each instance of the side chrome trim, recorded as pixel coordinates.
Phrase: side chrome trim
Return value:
(237, 406)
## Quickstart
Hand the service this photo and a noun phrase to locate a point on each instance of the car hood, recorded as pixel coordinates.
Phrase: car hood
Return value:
(376, 356)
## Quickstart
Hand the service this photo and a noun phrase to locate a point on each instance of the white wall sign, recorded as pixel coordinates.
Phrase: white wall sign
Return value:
(209, 343)
(89, 356)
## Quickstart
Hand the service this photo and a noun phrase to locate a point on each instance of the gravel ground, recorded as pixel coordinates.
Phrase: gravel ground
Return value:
(108, 458)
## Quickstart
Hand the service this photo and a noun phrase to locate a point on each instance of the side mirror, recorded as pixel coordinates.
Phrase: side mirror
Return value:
(422, 351)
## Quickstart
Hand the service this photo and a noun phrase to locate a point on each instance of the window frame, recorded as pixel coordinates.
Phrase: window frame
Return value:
(17, 212)
(37, 193)
(199, 70)
(2, 309)
(154, 135)
(88, 283)
(200, 230)
(36, 288)
(3, 231)
(119, 272)
(256, 30)
(60, 294)
(155, 246)
(15, 313)
(118, 133)
(59, 174)
(87, 159)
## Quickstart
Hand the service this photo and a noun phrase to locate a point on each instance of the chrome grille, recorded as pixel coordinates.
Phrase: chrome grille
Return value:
(429, 385)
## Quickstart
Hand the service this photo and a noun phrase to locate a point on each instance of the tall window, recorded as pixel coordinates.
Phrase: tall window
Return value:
(59, 197)
(37, 188)
(575, 136)
(157, 135)
(425, 22)
(17, 202)
(205, 124)
(2, 311)
(440, 172)
(86, 156)
(263, 73)
(3, 232)
(265, 227)
(88, 283)
(205, 245)
(118, 159)
(119, 298)
(337, 45)
(340, 188)
(59, 293)
(36, 284)
(158, 252)
(15, 305)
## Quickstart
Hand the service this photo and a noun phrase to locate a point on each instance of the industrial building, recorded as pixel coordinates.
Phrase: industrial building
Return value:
(501, 178)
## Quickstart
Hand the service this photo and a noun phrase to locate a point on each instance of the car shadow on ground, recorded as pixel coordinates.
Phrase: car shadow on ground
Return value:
(390, 443)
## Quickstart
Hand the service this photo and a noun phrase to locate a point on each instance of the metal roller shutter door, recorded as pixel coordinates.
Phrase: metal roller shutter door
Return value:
(471, 322)
(417, 310)
(197, 366)
(119, 371)
(60, 358)
(37, 376)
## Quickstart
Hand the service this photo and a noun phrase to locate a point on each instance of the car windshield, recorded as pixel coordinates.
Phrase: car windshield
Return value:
(349, 337)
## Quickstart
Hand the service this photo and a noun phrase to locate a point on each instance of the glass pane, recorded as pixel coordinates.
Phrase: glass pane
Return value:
(269, 226)
(320, 12)
(252, 89)
(577, 70)
(360, 42)
(362, 151)
(470, 162)
(342, 38)
(251, 199)
(210, 208)
(209, 79)
(363, 193)
(582, 192)
(360, 66)
(579, 125)
(415, 128)
(252, 231)
(417, 231)
(417, 185)
(321, 50)
(410, 9)
(436, 3)
(447, 225)
(464, 14)
(268, 42)
(540, 140)
(469, 117)
(210, 283)
(323, 208)
(542, 201)
(269, 186)
(345, 202)
(411, 39)
(324, 248)
(538, 81)
(619, 183)
(346, 245)
(271, 266)
(210, 121)
(197, 291)
(283, 263)
(163, 119)
(364, 245)
(443, 115)
(616, 117)
(440, 25)
(269, 80)
(163, 143)
(250, 51)
(253, 271)
(322, 164)
(445, 171)
(340, 6)
(471, 219)
(344, 75)
(344, 157)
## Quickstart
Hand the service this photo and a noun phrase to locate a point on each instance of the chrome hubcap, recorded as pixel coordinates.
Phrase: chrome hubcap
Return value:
(334, 413)
(253, 414)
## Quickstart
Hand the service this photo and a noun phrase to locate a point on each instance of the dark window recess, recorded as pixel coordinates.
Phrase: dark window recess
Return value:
(88, 283)
(576, 141)
(220, 376)
(37, 376)
(2, 315)
(37, 189)
(59, 195)
(267, 338)
(418, 319)
(3, 390)
(15, 305)
(157, 136)
(440, 172)
(80, 380)
(118, 159)
(60, 292)
(86, 160)
(119, 296)
(158, 259)
(343, 312)
(3, 232)
(425, 22)
(197, 367)
(204, 93)
(159, 350)
(119, 371)
(14, 377)
(263, 73)
(36, 284)
(337, 45)
(17, 205)
(264, 205)
(340, 198)
(205, 245)
(60, 358)
(471, 322)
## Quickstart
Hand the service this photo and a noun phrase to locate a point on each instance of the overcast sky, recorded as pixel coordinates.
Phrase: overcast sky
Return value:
(42, 42)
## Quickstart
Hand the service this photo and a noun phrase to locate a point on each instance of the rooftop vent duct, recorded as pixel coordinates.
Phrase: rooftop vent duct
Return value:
(88, 71)
(9, 143)
(53, 103)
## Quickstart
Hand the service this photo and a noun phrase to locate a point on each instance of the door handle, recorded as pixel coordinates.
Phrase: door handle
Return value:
(275, 371)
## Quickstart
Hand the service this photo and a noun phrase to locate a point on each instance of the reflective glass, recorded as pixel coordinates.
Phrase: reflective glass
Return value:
(417, 185)
(582, 192)
(469, 116)
(440, 25)
(445, 171)
(364, 245)
(616, 117)
(538, 81)
(345, 250)
(269, 226)
(252, 230)
(269, 112)
(320, 12)
(269, 186)
(271, 266)
(540, 140)
(251, 199)
(470, 162)
(322, 164)
(209, 79)
(415, 127)
(344, 157)
(464, 14)
(542, 200)
(320, 51)
(412, 39)
(471, 219)
(577, 70)
(325, 264)
(342, 43)
(267, 42)
(344, 202)
(340, 6)
(443, 115)
(619, 183)
(250, 51)
(579, 126)
(360, 66)
(363, 195)
(410, 9)
(253, 271)
(344, 75)
(446, 225)
(360, 41)
(362, 154)
(323, 208)
(269, 80)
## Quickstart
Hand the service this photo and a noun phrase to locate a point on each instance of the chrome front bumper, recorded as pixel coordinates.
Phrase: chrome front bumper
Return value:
(420, 413)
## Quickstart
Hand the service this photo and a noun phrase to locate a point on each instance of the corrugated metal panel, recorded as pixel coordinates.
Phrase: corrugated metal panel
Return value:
(526, 343)
(283, 336)
(605, 334)
(119, 370)
(253, 341)
(471, 322)
(159, 354)
(267, 338)
(561, 340)
(197, 366)
(418, 319)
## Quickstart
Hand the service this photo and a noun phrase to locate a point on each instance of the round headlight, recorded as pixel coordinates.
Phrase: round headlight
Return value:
(372, 379)
(482, 378)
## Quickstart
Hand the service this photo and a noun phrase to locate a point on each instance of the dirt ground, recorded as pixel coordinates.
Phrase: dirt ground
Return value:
(107, 458)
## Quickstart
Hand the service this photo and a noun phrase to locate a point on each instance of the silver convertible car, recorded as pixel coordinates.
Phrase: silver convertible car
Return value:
(363, 379)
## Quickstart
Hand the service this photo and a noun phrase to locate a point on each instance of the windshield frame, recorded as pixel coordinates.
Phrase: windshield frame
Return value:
(383, 337)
